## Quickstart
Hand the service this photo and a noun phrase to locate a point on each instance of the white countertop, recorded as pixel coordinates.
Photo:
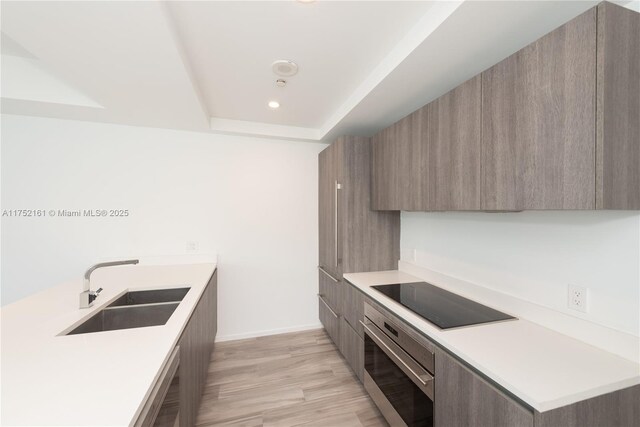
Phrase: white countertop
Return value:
(542, 367)
(88, 379)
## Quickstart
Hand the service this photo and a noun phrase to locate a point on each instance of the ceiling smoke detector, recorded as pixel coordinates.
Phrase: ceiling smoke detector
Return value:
(285, 68)
(281, 83)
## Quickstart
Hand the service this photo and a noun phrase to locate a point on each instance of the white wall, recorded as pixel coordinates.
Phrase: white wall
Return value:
(252, 201)
(535, 255)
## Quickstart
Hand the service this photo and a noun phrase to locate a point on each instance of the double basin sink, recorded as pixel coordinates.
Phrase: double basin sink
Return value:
(134, 309)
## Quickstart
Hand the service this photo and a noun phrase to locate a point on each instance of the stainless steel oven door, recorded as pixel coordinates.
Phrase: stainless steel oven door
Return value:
(401, 388)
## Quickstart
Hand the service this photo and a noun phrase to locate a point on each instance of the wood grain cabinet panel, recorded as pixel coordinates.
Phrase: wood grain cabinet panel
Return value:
(150, 414)
(618, 108)
(368, 240)
(430, 160)
(397, 160)
(330, 291)
(384, 177)
(352, 348)
(538, 123)
(617, 409)
(464, 399)
(330, 320)
(327, 176)
(325, 208)
(361, 239)
(555, 126)
(451, 152)
(408, 138)
(353, 307)
(196, 345)
(365, 240)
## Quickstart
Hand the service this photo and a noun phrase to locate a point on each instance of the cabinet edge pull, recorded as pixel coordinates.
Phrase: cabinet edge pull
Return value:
(322, 270)
(327, 305)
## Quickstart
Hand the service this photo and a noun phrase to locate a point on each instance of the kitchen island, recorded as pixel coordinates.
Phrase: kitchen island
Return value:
(103, 378)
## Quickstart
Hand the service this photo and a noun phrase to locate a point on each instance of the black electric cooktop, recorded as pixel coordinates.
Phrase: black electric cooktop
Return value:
(442, 308)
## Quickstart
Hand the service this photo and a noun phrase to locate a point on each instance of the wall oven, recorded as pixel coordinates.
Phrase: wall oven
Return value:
(399, 372)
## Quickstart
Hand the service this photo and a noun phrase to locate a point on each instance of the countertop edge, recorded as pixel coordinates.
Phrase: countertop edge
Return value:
(520, 395)
(135, 416)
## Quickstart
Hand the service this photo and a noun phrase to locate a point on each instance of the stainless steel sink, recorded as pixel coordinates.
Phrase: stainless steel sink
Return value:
(150, 297)
(126, 317)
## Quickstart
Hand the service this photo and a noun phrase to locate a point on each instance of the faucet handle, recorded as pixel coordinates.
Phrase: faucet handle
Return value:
(93, 295)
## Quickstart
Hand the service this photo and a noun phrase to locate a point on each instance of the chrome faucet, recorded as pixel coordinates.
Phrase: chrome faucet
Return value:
(87, 296)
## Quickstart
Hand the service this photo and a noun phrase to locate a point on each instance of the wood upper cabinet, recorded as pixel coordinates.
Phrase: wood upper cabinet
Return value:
(561, 118)
(618, 108)
(451, 149)
(409, 136)
(554, 126)
(384, 175)
(538, 123)
(430, 160)
(397, 164)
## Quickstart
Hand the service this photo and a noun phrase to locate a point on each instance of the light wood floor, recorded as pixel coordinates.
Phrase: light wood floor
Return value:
(284, 380)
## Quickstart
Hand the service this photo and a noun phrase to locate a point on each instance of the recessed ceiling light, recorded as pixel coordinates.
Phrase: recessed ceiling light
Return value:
(274, 104)
(305, 1)
(284, 67)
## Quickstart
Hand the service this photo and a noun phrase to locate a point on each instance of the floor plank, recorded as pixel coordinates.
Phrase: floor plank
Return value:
(296, 379)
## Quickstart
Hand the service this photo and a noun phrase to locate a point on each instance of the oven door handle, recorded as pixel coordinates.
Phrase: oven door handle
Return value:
(392, 349)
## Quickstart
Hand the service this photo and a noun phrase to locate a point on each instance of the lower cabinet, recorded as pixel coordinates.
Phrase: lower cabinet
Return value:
(465, 399)
(351, 333)
(618, 408)
(175, 398)
(196, 345)
(330, 291)
(161, 408)
(344, 328)
(329, 319)
(352, 348)
(353, 306)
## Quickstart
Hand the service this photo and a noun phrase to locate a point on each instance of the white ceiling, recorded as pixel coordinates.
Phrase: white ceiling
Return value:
(231, 47)
(206, 65)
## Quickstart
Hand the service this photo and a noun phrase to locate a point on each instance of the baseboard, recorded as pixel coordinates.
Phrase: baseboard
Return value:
(233, 337)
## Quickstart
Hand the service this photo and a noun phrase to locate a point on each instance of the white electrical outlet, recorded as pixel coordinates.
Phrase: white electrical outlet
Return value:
(578, 298)
(192, 247)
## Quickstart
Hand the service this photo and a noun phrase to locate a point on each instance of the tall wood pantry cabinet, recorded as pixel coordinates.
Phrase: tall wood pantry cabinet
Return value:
(352, 238)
